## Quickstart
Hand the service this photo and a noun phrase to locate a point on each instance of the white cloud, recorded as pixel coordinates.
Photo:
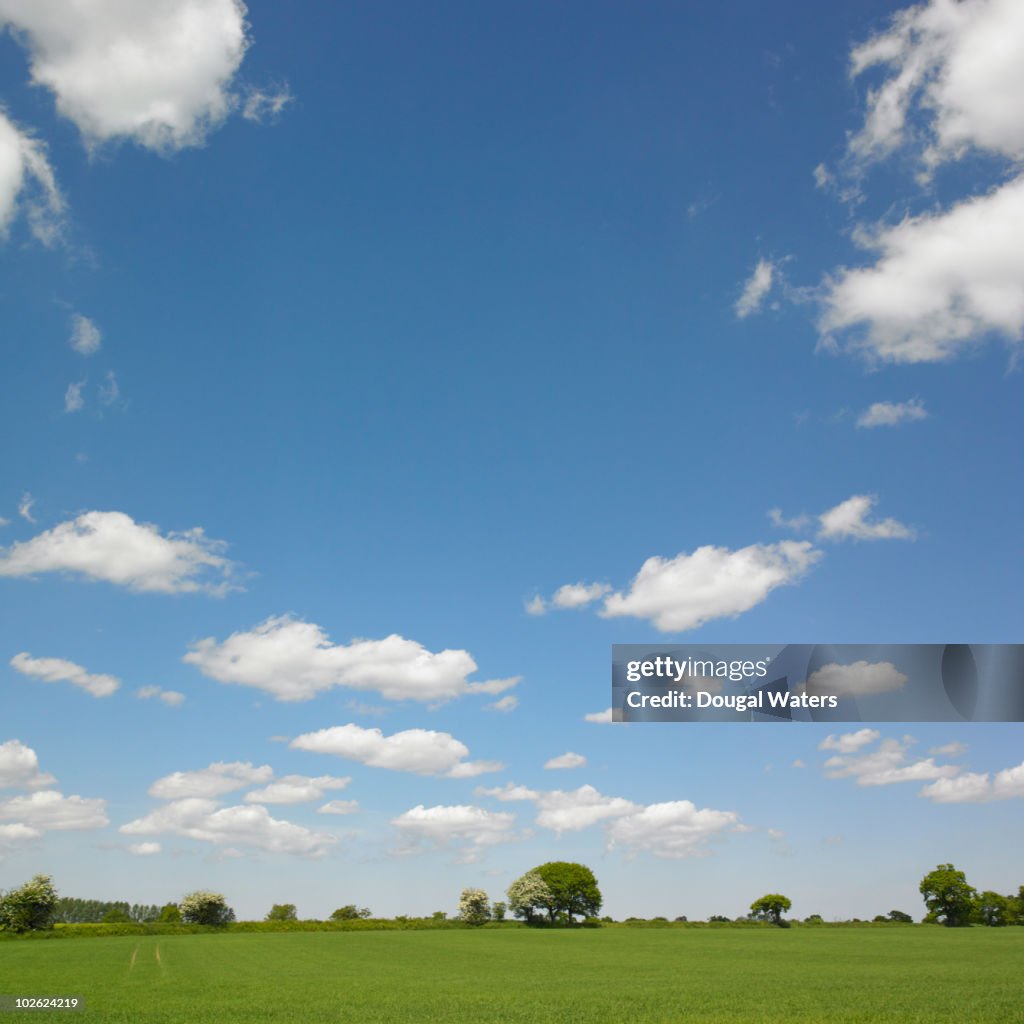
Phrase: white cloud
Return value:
(776, 835)
(111, 546)
(57, 670)
(800, 522)
(339, 807)
(536, 605)
(249, 825)
(421, 751)
(294, 661)
(671, 830)
(85, 335)
(573, 810)
(472, 828)
(27, 182)
(25, 507)
(599, 717)
(157, 73)
(110, 390)
(891, 414)
(975, 787)
(887, 765)
(850, 519)
(509, 792)
(954, 749)
(941, 283)
(567, 760)
(754, 291)
(172, 698)
(296, 789)
(850, 742)
(214, 780)
(861, 679)
(144, 849)
(951, 66)
(689, 590)
(11, 835)
(798, 764)
(265, 105)
(504, 704)
(49, 810)
(578, 595)
(19, 767)
(73, 401)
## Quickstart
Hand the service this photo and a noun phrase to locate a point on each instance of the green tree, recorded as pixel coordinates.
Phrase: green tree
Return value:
(115, 916)
(770, 907)
(170, 913)
(350, 912)
(474, 907)
(947, 896)
(30, 907)
(202, 907)
(498, 909)
(993, 910)
(572, 889)
(282, 912)
(898, 915)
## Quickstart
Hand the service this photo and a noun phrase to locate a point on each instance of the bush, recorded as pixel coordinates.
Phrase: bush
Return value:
(350, 912)
(474, 907)
(202, 907)
(282, 912)
(30, 908)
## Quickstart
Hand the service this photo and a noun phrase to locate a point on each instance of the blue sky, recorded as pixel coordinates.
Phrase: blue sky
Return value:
(376, 368)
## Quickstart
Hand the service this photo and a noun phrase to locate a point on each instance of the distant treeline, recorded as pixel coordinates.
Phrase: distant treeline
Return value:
(75, 911)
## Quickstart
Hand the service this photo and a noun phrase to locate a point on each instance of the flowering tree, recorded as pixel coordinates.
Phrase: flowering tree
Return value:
(30, 908)
(474, 907)
(528, 895)
(205, 908)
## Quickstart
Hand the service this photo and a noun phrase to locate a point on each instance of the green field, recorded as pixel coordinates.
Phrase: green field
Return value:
(928, 975)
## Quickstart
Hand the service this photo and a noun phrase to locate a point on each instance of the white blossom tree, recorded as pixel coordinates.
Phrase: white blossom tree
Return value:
(528, 895)
(474, 907)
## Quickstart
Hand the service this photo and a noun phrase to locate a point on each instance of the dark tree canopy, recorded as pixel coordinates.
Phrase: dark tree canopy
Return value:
(947, 896)
(283, 912)
(572, 889)
(770, 907)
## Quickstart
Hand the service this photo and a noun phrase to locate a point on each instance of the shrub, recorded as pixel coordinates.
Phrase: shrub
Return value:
(29, 908)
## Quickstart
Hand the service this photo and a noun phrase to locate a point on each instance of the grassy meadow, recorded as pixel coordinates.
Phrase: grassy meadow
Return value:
(920, 974)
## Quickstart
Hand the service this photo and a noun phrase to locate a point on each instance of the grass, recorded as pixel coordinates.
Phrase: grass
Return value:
(515, 976)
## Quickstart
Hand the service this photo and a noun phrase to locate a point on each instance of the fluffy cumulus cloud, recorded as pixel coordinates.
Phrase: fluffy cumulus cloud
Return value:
(471, 829)
(886, 765)
(172, 698)
(681, 593)
(144, 849)
(339, 807)
(849, 520)
(112, 547)
(861, 679)
(160, 74)
(850, 742)
(421, 751)
(948, 68)
(17, 834)
(941, 282)
(28, 185)
(674, 829)
(756, 289)
(19, 767)
(294, 661)
(977, 787)
(214, 780)
(296, 789)
(569, 596)
(57, 670)
(243, 825)
(891, 414)
(566, 760)
(48, 810)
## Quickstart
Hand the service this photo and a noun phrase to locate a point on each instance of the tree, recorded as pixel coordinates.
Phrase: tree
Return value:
(283, 912)
(30, 907)
(947, 896)
(115, 916)
(474, 907)
(993, 910)
(498, 909)
(170, 913)
(902, 918)
(770, 907)
(205, 908)
(573, 891)
(526, 895)
(350, 912)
